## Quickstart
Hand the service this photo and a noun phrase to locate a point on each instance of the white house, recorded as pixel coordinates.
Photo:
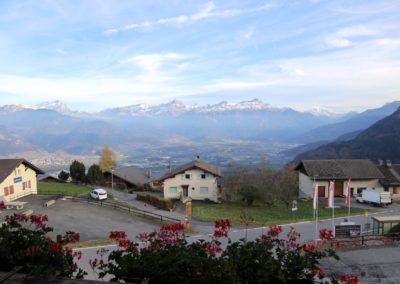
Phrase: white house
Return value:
(362, 173)
(17, 179)
(197, 180)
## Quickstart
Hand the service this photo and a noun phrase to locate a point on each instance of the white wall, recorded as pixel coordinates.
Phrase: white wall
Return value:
(27, 174)
(306, 185)
(194, 184)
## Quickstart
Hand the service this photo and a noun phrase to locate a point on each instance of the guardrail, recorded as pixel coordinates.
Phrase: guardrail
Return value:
(365, 238)
(128, 209)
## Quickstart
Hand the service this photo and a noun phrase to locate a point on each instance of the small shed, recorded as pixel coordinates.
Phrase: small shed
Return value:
(384, 224)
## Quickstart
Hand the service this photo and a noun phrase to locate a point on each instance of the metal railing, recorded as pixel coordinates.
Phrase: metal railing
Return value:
(127, 209)
(364, 239)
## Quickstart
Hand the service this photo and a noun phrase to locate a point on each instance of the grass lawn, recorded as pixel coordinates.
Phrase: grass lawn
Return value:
(66, 188)
(262, 215)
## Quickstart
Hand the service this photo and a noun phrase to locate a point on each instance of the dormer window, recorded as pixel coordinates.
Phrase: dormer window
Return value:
(187, 176)
(203, 176)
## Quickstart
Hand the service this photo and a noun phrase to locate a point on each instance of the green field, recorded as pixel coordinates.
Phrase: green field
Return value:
(263, 215)
(65, 188)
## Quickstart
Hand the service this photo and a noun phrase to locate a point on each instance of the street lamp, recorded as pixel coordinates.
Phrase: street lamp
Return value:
(112, 178)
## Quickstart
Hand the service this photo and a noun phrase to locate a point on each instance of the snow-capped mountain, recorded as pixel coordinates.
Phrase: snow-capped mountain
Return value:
(320, 111)
(52, 105)
(177, 108)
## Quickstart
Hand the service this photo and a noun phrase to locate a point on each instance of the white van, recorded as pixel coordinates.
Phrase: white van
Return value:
(98, 194)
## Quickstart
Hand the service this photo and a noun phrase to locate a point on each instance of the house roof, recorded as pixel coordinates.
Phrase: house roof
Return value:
(340, 169)
(48, 176)
(132, 175)
(391, 175)
(7, 166)
(196, 164)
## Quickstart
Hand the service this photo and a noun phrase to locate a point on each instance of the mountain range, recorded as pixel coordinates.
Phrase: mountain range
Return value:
(381, 141)
(175, 129)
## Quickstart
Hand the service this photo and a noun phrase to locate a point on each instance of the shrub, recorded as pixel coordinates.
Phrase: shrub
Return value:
(24, 242)
(156, 201)
(165, 256)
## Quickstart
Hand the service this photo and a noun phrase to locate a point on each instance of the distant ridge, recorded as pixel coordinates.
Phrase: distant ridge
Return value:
(379, 141)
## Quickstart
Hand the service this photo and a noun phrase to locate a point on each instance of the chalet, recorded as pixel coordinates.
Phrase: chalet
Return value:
(391, 180)
(197, 180)
(49, 178)
(362, 173)
(17, 179)
(128, 178)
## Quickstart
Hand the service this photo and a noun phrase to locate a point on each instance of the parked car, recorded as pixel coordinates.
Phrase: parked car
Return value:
(98, 194)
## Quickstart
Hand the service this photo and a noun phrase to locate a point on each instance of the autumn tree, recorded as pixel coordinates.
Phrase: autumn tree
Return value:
(107, 159)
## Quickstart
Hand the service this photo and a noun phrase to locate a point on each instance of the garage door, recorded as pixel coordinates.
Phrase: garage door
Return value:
(338, 188)
(321, 191)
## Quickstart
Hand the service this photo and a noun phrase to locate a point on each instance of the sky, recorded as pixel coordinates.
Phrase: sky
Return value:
(96, 54)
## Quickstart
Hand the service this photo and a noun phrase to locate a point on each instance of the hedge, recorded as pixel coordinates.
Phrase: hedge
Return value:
(156, 201)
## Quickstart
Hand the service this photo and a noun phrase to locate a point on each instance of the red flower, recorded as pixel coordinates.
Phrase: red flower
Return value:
(71, 238)
(274, 230)
(22, 218)
(212, 248)
(124, 243)
(325, 234)
(349, 278)
(118, 235)
(172, 227)
(309, 247)
(55, 246)
(222, 228)
(39, 220)
(2, 205)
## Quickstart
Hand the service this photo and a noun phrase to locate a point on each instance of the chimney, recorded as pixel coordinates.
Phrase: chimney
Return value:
(388, 163)
(380, 162)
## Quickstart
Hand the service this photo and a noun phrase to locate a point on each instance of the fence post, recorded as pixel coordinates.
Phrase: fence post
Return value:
(362, 239)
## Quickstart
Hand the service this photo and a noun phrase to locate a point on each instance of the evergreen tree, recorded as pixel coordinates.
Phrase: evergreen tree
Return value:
(77, 171)
(94, 175)
(63, 176)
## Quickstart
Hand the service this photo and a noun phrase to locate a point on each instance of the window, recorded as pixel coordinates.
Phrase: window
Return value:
(23, 185)
(203, 176)
(203, 189)
(360, 189)
(11, 189)
(29, 184)
(6, 192)
(187, 176)
(173, 189)
(396, 190)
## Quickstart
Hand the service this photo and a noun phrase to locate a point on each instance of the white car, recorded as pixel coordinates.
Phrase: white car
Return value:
(99, 194)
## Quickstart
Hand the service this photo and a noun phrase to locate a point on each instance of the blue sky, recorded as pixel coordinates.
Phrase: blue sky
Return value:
(339, 55)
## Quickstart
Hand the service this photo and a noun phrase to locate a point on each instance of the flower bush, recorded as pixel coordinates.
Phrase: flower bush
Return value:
(165, 256)
(24, 242)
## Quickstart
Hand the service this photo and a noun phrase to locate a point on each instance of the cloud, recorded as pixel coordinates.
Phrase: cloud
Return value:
(343, 37)
(337, 42)
(209, 10)
(249, 34)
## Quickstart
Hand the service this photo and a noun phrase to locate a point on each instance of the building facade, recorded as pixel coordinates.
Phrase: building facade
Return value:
(197, 180)
(17, 179)
(363, 174)
(391, 180)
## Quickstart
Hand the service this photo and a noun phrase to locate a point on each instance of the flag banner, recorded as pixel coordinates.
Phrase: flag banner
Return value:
(315, 197)
(331, 193)
(348, 193)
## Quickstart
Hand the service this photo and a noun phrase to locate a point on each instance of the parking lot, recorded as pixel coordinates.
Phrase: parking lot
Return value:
(91, 221)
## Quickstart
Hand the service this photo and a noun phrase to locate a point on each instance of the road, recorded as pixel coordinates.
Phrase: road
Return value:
(306, 229)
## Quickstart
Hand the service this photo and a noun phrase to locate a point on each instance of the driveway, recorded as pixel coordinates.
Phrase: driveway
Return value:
(90, 220)
(198, 227)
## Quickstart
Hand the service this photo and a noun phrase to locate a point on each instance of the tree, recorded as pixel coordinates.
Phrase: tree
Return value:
(287, 183)
(107, 159)
(95, 175)
(63, 176)
(77, 171)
